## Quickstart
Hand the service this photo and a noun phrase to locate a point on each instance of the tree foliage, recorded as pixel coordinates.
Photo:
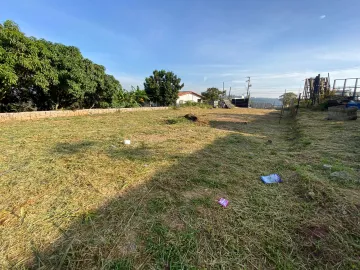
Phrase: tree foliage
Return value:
(36, 74)
(287, 98)
(127, 99)
(212, 94)
(163, 87)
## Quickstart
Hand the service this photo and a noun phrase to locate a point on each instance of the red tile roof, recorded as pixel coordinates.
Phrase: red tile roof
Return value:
(182, 93)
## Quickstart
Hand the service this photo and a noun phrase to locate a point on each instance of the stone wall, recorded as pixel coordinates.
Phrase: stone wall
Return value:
(51, 114)
(342, 113)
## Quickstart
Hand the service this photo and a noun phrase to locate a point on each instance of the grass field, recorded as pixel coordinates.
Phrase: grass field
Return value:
(72, 196)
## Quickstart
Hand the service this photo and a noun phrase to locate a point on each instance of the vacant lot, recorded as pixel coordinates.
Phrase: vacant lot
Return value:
(72, 196)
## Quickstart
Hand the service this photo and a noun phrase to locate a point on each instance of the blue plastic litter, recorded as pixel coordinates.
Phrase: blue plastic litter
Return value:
(353, 104)
(271, 179)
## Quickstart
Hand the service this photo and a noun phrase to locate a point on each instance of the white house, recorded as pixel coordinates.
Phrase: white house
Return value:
(188, 96)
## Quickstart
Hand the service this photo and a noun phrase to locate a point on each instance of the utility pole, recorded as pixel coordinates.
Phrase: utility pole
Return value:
(224, 89)
(229, 92)
(248, 86)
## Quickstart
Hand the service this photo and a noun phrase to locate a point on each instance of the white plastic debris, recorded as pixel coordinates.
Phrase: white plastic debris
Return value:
(127, 142)
(327, 167)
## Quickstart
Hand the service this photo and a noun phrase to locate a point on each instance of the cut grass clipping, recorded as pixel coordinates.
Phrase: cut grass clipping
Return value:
(73, 196)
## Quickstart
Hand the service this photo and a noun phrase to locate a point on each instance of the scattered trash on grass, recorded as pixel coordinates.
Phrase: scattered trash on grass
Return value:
(22, 215)
(127, 142)
(223, 202)
(327, 167)
(311, 194)
(272, 178)
(341, 175)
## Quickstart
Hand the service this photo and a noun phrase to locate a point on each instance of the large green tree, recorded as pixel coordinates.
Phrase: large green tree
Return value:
(38, 74)
(23, 70)
(287, 98)
(212, 94)
(163, 87)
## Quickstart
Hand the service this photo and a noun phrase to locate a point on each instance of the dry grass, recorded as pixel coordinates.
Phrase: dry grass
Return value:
(74, 197)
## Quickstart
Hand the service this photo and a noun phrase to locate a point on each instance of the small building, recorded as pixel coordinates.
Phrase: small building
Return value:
(185, 96)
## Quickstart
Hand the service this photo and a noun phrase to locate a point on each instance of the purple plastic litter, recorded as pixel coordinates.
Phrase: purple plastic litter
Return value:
(223, 202)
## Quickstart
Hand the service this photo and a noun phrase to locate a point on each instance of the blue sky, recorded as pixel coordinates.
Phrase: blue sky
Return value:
(205, 42)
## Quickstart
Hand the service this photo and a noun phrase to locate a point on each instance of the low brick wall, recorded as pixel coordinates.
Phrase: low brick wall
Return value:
(51, 114)
(342, 113)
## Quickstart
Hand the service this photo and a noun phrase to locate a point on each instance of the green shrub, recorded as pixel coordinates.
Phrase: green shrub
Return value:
(189, 104)
(104, 105)
(195, 104)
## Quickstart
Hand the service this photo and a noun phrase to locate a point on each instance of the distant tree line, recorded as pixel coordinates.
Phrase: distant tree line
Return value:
(36, 74)
(212, 94)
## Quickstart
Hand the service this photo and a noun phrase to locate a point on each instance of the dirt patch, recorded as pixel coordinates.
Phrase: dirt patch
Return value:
(315, 232)
(128, 246)
(352, 196)
(151, 138)
(174, 222)
(234, 120)
(196, 193)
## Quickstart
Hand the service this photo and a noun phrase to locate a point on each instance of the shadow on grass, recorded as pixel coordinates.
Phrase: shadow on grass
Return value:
(141, 152)
(229, 125)
(72, 148)
(173, 221)
(159, 223)
(176, 120)
(131, 153)
(238, 122)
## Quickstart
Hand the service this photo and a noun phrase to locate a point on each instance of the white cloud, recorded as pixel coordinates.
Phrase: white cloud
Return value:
(322, 17)
(205, 78)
